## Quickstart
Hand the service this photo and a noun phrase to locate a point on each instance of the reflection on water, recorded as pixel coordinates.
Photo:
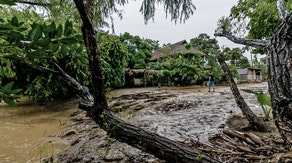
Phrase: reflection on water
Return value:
(22, 129)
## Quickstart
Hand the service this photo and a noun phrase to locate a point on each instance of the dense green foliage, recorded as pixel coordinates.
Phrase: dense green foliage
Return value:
(55, 37)
(209, 46)
(114, 59)
(236, 58)
(36, 45)
(40, 44)
(140, 50)
(181, 68)
(257, 17)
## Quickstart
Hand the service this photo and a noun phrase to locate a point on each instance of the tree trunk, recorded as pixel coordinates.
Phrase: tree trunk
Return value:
(280, 78)
(254, 122)
(93, 51)
(161, 147)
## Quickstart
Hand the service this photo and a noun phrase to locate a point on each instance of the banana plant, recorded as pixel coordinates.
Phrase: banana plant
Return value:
(265, 102)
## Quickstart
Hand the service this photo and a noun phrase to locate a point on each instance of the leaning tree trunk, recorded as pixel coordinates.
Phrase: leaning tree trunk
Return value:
(254, 122)
(280, 78)
(279, 49)
(163, 148)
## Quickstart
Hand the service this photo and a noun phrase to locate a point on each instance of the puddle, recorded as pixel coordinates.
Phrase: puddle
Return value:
(23, 128)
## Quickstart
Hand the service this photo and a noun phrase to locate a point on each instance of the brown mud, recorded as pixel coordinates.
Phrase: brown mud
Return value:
(179, 113)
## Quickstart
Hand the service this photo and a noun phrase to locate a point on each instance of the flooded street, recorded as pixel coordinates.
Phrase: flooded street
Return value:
(23, 129)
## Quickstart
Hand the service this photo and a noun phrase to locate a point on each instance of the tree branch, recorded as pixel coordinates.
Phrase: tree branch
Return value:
(282, 10)
(259, 44)
(83, 92)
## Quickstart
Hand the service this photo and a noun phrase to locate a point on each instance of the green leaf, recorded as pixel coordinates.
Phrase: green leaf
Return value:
(36, 33)
(79, 49)
(14, 21)
(7, 27)
(68, 28)
(10, 102)
(52, 31)
(7, 88)
(37, 54)
(35, 65)
(263, 99)
(55, 47)
(43, 42)
(16, 91)
(7, 2)
(59, 31)
(69, 41)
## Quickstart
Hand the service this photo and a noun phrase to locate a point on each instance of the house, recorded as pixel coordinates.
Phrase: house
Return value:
(249, 74)
(143, 77)
(172, 49)
(138, 77)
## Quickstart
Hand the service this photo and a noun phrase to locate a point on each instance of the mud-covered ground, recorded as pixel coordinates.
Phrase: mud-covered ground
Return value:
(179, 113)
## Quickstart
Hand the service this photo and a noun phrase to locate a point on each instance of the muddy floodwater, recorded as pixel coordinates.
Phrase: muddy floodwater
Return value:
(23, 131)
(31, 132)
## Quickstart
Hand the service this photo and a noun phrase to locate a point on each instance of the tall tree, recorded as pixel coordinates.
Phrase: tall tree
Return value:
(234, 56)
(140, 50)
(210, 47)
(279, 49)
(181, 67)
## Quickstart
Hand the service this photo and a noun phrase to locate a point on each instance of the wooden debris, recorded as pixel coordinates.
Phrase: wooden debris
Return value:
(235, 146)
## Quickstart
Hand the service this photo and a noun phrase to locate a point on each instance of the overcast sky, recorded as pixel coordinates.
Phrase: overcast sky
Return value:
(204, 20)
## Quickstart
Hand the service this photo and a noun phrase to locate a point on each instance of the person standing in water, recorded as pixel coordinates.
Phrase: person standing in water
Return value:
(211, 82)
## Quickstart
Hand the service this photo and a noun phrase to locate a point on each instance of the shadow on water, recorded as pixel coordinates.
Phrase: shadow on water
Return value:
(23, 128)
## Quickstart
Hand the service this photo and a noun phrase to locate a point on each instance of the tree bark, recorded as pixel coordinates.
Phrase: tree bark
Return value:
(161, 147)
(279, 50)
(280, 78)
(254, 122)
(93, 51)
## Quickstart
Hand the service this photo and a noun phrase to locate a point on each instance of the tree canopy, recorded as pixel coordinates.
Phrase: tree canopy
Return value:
(140, 50)
(258, 18)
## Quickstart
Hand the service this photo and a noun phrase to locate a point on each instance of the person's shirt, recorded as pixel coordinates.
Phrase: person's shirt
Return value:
(212, 78)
